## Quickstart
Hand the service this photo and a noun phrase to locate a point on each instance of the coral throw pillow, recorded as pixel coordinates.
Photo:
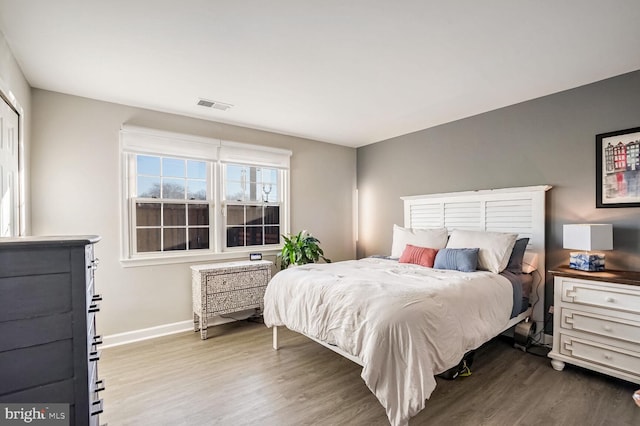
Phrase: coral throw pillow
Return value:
(422, 256)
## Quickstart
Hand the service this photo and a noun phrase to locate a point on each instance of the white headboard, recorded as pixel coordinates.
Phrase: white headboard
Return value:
(517, 210)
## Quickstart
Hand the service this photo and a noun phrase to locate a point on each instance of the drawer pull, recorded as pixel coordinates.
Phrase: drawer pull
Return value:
(96, 407)
(99, 386)
(97, 340)
(610, 299)
(94, 356)
(96, 298)
(93, 264)
(94, 307)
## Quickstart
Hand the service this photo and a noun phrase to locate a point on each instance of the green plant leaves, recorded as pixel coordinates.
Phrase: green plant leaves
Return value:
(300, 249)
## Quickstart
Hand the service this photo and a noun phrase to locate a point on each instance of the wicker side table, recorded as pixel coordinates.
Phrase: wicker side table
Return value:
(224, 288)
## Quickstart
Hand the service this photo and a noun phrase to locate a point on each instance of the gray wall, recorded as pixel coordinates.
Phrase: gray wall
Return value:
(75, 190)
(549, 140)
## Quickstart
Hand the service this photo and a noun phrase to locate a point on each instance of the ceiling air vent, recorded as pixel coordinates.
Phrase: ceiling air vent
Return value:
(214, 104)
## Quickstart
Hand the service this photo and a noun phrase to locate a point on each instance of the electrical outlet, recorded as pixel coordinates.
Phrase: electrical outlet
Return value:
(551, 309)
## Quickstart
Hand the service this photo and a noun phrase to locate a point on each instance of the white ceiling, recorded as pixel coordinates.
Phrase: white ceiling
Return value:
(350, 72)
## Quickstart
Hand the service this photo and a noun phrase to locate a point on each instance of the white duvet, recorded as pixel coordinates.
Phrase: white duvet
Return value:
(406, 323)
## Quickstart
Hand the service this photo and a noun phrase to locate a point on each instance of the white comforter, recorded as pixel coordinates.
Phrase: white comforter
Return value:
(404, 322)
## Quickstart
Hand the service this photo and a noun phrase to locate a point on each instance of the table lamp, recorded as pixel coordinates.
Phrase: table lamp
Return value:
(587, 237)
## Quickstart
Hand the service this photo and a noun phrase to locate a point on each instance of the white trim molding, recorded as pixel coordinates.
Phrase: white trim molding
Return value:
(12, 101)
(146, 333)
(133, 336)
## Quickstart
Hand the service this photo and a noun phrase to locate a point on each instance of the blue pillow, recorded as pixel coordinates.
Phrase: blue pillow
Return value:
(459, 259)
(517, 254)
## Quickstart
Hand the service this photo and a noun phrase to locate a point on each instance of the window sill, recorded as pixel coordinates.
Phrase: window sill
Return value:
(194, 258)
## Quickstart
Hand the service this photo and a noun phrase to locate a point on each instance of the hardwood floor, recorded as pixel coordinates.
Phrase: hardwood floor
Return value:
(235, 378)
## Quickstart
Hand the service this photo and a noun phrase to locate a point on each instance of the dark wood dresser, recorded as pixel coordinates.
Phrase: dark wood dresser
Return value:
(48, 340)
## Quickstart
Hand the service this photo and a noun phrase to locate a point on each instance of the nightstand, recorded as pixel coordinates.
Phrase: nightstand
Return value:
(596, 321)
(224, 288)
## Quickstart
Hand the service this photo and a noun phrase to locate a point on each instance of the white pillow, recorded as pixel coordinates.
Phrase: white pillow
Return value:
(435, 238)
(495, 247)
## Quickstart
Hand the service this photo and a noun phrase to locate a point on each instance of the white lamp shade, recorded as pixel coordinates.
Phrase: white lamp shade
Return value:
(588, 237)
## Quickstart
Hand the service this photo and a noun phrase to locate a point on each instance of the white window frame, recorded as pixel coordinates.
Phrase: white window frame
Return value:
(133, 200)
(19, 203)
(139, 140)
(283, 176)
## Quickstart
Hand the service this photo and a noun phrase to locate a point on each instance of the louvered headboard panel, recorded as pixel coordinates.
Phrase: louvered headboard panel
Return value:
(516, 210)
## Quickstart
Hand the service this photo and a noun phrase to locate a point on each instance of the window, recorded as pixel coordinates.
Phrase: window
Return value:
(252, 196)
(188, 197)
(171, 206)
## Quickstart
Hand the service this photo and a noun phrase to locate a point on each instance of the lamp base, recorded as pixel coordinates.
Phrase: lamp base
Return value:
(591, 262)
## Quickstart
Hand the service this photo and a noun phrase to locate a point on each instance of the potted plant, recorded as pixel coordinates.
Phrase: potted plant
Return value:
(300, 249)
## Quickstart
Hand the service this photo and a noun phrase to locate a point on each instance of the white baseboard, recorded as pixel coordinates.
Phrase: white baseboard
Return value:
(153, 332)
(146, 333)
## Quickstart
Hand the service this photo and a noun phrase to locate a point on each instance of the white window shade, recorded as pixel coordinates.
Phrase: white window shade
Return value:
(149, 141)
(255, 155)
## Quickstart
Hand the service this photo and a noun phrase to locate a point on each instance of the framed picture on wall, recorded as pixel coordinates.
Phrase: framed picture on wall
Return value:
(618, 168)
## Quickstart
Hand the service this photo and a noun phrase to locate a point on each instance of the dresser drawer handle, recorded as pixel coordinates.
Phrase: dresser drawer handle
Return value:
(93, 264)
(609, 299)
(97, 340)
(94, 307)
(96, 298)
(94, 356)
(96, 407)
(99, 386)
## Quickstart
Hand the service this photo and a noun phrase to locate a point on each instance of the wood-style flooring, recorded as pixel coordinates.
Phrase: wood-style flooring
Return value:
(236, 378)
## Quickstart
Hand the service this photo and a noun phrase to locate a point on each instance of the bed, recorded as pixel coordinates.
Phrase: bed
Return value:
(404, 322)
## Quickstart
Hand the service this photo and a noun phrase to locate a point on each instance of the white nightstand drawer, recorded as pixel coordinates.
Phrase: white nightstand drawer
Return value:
(603, 325)
(221, 303)
(608, 356)
(619, 297)
(235, 281)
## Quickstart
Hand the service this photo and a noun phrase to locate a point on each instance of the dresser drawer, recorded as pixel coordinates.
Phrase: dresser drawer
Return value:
(35, 331)
(221, 303)
(36, 296)
(36, 365)
(603, 325)
(58, 392)
(615, 297)
(236, 281)
(598, 353)
(28, 261)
